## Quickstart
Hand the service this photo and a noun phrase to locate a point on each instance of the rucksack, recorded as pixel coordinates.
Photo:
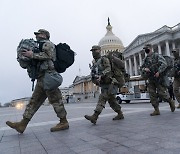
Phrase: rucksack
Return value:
(25, 44)
(32, 65)
(64, 54)
(154, 67)
(118, 70)
(169, 71)
(64, 57)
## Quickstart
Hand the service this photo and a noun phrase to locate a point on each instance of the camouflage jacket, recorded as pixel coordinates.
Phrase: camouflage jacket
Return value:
(177, 67)
(101, 67)
(44, 58)
(156, 63)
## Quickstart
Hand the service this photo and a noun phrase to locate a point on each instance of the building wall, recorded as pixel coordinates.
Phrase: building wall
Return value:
(163, 41)
(85, 89)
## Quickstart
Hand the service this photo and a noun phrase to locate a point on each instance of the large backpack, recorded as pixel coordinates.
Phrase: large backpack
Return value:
(154, 66)
(64, 57)
(25, 44)
(118, 70)
(169, 71)
(64, 54)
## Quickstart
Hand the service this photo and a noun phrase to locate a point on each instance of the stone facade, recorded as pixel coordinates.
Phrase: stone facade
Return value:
(163, 40)
(84, 89)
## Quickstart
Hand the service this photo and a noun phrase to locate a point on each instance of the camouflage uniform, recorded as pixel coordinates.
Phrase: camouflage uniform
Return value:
(45, 58)
(156, 85)
(102, 67)
(176, 83)
(39, 95)
(108, 91)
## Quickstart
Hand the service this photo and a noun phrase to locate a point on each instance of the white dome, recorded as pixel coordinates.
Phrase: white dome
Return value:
(110, 40)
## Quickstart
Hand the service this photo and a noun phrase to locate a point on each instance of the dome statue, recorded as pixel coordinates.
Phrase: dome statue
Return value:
(110, 42)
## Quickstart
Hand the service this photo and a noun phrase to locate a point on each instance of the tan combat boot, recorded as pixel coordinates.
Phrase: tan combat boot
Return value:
(156, 112)
(178, 107)
(60, 126)
(92, 118)
(119, 116)
(172, 105)
(18, 126)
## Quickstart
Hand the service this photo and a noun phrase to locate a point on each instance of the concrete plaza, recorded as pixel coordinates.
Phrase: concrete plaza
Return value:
(138, 133)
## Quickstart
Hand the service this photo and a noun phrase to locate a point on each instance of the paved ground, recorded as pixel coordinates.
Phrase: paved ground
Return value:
(138, 133)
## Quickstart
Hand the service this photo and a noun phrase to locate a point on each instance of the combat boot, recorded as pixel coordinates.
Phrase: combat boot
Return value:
(60, 126)
(18, 126)
(119, 116)
(92, 118)
(156, 112)
(178, 107)
(172, 105)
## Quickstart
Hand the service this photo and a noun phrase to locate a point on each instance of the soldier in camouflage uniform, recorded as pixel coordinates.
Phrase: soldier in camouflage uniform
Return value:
(102, 76)
(46, 56)
(153, 69)
(176, 83)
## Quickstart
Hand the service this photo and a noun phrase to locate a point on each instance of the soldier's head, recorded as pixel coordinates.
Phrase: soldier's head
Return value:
(96, 51)
(175, 53)
(147, 48)
(42, 34)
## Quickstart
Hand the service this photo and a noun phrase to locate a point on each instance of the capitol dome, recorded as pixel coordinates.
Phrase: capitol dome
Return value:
(110, 42)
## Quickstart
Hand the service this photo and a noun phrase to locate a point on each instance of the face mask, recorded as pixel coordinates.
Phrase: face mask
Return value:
(176, 54)
(38, 38)
(96, 55)
(147, 51)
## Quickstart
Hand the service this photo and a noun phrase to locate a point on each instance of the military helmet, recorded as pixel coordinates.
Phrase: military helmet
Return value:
(95, 47)
(147, 46)
(176, 52)
(43, 31)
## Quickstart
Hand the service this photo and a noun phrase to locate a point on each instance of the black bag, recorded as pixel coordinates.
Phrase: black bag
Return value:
(64, 57)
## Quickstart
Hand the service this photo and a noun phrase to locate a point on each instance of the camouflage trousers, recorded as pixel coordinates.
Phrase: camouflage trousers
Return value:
(156, 90)
(176, 88)
(39, 96)
(107, 96)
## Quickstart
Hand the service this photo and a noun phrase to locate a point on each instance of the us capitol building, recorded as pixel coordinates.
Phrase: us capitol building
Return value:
(163, 41)
(82, 87)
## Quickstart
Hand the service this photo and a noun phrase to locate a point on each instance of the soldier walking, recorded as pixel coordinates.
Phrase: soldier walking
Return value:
(153, 68)
(176, 83)
(102, 76)
(46, 56)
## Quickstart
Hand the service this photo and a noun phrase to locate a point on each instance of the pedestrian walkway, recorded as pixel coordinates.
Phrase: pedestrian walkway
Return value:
(138, 133)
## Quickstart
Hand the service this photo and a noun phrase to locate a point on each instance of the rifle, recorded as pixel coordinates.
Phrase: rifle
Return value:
(34, 68)
(151, 75)
(177, 69)
(94, 74)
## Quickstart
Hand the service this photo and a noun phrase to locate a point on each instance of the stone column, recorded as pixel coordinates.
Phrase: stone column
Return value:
(82, 87)
(167, 49)
(135, 65)
(130, 67)
(159, 49)
(173, 45)
(152, 49)
(125, 63)
(140, 59)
